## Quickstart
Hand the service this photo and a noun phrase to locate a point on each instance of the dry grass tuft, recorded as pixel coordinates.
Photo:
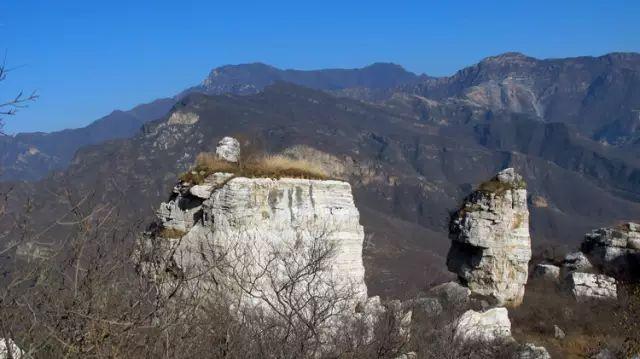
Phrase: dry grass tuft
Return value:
(271, 166)
(206, 164)
(281, 166)
(497, 187)
(171, 233)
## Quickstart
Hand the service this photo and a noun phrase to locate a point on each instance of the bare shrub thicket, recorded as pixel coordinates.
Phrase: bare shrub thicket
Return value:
(590, 327)
(84, 297)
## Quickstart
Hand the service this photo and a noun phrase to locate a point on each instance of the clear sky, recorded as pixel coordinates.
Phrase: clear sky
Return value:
(87, 58)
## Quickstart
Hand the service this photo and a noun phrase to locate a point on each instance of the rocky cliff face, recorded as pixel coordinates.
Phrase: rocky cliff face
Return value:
(257, 234)
(491, 246)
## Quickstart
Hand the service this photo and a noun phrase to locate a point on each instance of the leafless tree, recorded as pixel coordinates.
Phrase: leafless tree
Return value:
(10, 106)
(249, 296)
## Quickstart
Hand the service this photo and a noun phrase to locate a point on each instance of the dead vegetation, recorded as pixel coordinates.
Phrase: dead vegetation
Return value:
(171, 233)
(589, 327)
(255, 166)
(497, 187)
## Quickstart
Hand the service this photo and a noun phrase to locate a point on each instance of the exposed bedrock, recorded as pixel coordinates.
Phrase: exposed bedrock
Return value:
(491, 246)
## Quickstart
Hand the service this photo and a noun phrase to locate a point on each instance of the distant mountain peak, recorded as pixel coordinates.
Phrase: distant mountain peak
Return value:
(250, 78)
(508, 57)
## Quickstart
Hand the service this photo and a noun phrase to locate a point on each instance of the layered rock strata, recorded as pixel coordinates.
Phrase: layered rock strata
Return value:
(252, 236)
(589, 286)
(491, 246)
(615, 251)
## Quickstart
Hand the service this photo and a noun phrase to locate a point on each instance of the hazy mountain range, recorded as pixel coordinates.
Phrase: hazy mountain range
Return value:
(411, 145)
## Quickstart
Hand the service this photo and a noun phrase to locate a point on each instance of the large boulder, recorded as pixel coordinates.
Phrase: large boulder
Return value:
(491, 246)
(589, 286)
(228, 149)
(491, 325)
(615, 251)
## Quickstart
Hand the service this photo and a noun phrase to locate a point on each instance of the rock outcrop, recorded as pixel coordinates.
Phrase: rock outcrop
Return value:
(491, 325)
(615, 251)
(265, 231)
(9, 349)
(491, 246)
(589, 286)
(228, 149)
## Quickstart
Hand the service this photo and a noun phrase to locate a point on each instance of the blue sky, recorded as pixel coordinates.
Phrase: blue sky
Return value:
(87, 58)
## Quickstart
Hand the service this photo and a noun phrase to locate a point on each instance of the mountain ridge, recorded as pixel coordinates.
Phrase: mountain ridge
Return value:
(407, 173)
(601, 109)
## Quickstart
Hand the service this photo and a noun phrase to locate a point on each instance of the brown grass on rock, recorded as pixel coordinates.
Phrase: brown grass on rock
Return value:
(267, 166)
(171, 233)
(497, 187)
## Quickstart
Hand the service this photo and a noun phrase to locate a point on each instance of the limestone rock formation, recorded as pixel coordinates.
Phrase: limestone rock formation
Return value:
(615, 251)
(493, 324)
(588, 286)
(491, 246)
(253, 235)
(9, 349)
(259, 217)
(280, 211)
(228, 149)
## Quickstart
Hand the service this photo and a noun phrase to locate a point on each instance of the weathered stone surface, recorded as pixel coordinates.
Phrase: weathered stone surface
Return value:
(210, 183)
(228, 149)
(547, 272)
(588, 286)
(558, 333)
(576, 262)
(491, 246)
(253, 219)
(180, 118)
(493, 324)
(530, 351)
(9, 349)
(180, 213)
(615, 251)
(280, 211)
